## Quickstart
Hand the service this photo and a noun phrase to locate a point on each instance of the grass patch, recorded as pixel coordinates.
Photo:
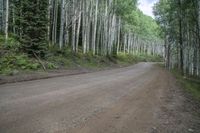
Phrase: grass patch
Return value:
(135, 58)
(190, 84)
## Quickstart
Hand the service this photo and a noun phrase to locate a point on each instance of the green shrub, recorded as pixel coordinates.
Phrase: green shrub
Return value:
(10, 63)
(11, 45)
(51, 66)
(190, 84)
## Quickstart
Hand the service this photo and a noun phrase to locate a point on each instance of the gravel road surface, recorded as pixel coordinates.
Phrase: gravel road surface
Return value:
(136, 99)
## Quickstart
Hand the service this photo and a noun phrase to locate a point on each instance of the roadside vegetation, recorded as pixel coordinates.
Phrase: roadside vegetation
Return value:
(179, 21)
(190, 84)
(81, 33)
(14, 61)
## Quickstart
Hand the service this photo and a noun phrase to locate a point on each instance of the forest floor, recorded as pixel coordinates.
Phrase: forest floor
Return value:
(143, 98)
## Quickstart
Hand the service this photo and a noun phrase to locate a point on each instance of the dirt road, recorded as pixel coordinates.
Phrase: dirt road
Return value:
(136, 99)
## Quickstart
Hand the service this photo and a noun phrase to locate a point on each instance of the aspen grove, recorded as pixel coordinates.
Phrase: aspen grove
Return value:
(97, 26)
(180, 21)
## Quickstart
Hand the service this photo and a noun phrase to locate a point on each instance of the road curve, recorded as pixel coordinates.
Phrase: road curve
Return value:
(121, 100)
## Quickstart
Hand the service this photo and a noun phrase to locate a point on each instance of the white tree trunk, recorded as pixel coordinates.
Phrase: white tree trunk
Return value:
(49, 17)
(78, 30)
(95, 27)
(62, 21)
(74, 27)
(7, 17)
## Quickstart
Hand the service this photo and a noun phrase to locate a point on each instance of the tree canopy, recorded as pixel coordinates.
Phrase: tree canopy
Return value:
(179, 21)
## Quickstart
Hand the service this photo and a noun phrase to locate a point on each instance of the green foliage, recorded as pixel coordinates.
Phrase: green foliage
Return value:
(60, 61)
(149, 58)
(54, 50)
(10, 45)
(126, 58)
(70, 60)
(125, 7)
(12, 60)
(179, 21)
(91, 61)
(10, 63)
(31, 16)
(164, 16)
(51, 66)
(130, 59)
(29, 20)
(135, 21)
(190, 84)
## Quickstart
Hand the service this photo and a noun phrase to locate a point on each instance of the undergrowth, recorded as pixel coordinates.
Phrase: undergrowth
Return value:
(190, 84)
(13, 60)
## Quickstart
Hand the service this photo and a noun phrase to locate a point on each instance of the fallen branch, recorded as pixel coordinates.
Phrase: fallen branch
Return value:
(43, 66)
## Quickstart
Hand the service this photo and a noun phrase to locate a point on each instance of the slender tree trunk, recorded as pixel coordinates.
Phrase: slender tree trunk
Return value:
(7, 16)
(49, 24)
(84, 26)
(66, 25)
(55, 14)
(180, 37)
(95, 27)
(118, 37)
(78, 30)
(74, 26)
(62, 23)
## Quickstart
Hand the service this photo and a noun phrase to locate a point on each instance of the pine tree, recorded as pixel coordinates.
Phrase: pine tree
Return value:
(1, 15)
(31, 22)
